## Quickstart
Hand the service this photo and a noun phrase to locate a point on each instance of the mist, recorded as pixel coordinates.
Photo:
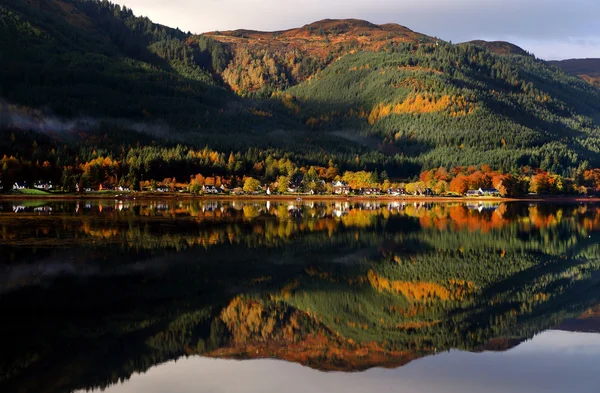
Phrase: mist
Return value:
(17, 117)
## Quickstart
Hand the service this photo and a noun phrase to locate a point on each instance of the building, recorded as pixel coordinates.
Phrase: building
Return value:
(483, 192)
(106, 187)
(41, 185)
(210, 189)
(341, 188)
(488, 192)
(19, 186)
(370, 191)
(396, 191)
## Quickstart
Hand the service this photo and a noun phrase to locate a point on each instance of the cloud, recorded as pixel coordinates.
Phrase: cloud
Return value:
(540, 26)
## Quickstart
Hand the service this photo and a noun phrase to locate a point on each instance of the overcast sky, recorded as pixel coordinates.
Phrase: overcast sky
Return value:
(552, 29)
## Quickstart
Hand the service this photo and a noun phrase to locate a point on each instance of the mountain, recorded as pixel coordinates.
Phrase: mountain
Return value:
(500, 47)
(586, 69)
(98, 81)
(266, 61)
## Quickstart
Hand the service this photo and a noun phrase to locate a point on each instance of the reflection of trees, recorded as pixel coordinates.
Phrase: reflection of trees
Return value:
(379, 288)
(152, 226)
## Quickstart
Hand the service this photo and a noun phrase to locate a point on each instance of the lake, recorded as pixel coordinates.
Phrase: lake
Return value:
(326, 296)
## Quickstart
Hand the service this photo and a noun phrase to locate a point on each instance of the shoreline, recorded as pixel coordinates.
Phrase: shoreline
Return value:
(334, 198)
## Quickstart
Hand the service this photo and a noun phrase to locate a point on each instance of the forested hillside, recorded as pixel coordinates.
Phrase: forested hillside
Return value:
(447, 104)
(93, 81)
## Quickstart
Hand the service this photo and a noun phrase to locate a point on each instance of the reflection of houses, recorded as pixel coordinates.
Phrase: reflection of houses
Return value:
(423, 205)
(43, 209)
(480, 207)
(396, 206)
(396, 191)
(341, 188)
(160, 206)
(368, 206)
(210, 206)
(41, 185)
(340, 209)
(120, 206)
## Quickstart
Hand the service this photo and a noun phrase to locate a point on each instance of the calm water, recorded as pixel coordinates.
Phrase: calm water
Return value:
(221, 296)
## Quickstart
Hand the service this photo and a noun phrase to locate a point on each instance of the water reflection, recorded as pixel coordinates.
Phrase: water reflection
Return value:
(537, 366)
(94, 291)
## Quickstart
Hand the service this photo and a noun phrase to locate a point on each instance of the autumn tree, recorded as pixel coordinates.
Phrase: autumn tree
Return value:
(251, 185)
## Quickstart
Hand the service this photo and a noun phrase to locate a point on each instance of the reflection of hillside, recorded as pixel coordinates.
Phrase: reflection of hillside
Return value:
(589, 321)
(151, 226)
(333, 287)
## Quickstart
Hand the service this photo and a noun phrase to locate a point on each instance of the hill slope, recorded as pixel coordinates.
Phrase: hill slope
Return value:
(500, 47)
(455, 105)
(586, 69)
(267, 61)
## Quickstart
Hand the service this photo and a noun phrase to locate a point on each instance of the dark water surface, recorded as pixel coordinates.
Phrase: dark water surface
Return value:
(222, 296)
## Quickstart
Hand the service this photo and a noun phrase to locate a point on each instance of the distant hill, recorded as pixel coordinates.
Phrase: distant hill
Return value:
(586, 69)
(267, 61)
(500, 47)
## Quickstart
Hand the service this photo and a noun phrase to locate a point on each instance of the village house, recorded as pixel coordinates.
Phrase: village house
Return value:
(370, 191)
(162, 189)
(19, 186)
(483, 192)
(106, 187)
(41, 185)
(341, 188)
(210, 189)
(396, 191)
(489, 192)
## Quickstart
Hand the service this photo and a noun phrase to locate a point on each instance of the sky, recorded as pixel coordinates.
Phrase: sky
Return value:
(551, 29)
(552, 362)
